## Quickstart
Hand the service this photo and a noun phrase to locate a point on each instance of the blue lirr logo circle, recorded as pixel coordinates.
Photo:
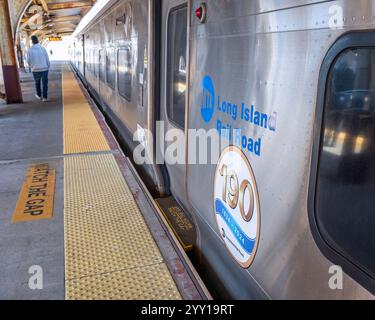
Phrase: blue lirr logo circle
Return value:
(208, 99)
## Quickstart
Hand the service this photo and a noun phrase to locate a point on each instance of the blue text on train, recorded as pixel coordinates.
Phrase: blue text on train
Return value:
(235, 111)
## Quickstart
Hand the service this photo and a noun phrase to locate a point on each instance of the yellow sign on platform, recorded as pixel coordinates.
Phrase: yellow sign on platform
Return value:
(37, 193)
(55, 39)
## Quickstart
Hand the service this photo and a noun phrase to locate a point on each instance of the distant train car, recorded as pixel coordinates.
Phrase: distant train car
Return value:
(290, 85)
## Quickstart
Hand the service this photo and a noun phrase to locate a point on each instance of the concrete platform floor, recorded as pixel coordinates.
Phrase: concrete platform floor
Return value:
(31, 132)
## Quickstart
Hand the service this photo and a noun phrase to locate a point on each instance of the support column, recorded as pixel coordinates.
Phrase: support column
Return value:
(8, 56)
(20, 56)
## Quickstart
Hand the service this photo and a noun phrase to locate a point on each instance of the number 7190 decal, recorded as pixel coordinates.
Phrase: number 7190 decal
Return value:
(237, 208)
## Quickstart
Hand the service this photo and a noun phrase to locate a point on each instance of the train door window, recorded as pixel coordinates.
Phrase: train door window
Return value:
(88, 59)
(95, 62)
(102, 61)
(110, 68)
(176, 65)
(124, 73)
(345, 183)
(92, 58)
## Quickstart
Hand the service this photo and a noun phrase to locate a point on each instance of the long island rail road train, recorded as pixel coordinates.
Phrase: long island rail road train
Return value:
(252, 125)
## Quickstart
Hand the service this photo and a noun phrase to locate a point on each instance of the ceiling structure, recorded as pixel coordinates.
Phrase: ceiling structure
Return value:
(52, 18)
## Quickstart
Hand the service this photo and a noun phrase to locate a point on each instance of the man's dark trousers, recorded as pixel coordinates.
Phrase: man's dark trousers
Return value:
(41, 77)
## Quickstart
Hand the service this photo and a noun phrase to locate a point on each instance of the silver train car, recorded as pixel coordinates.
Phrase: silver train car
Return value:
(287, 212)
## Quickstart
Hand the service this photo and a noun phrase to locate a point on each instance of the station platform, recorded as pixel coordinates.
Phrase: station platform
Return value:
(76, 222)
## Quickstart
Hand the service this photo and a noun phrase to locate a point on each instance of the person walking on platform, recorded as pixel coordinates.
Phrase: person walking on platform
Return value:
(38, 60)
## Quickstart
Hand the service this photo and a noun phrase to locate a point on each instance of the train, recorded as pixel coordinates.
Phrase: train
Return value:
(286, 209)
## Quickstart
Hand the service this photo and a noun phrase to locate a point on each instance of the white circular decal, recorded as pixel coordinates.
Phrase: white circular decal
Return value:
(236, 203)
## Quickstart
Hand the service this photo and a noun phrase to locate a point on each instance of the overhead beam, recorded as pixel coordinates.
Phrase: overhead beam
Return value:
(61, 25)
(31, 19)
(65, 33)
(66, 18)
(44, 5)
(55, 27)
(57, 24)
(70, 5)
(74, 18)
(55, 21)
(39, 30)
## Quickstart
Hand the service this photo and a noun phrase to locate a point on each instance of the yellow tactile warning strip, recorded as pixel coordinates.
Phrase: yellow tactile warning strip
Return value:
(35, 201)
(143, 283)
(81, 130)
(109, 251)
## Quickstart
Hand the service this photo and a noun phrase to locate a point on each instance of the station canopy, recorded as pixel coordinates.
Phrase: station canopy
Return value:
(52, 19)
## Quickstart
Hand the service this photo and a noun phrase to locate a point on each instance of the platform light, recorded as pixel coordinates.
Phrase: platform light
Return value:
(201, 12)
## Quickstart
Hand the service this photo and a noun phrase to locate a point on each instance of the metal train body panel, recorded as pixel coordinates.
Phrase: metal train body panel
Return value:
(268, 54)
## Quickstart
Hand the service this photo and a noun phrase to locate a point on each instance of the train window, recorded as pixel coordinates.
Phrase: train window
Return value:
(124, 73)
(102, 65)
(345, 185)
(92, 59)
(94, 54)
(110, 68)
(176, 65)
(88, 59)
(96, 63)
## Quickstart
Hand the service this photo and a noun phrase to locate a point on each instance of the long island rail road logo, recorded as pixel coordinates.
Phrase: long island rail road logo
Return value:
(36, 196)
(208, 99)
(236, 203)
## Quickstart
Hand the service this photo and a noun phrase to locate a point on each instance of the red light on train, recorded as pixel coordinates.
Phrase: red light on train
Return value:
(200, 12)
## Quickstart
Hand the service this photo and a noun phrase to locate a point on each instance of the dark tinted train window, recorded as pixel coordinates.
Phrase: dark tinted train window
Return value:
(345, 194)
(111, 68)
(124, 73)
(176, 65)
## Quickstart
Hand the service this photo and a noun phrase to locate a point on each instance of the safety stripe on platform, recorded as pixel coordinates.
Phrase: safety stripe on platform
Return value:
(81, 130)
(109, 251)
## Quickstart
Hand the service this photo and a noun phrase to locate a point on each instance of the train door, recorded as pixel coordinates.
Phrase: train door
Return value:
(173, 88)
